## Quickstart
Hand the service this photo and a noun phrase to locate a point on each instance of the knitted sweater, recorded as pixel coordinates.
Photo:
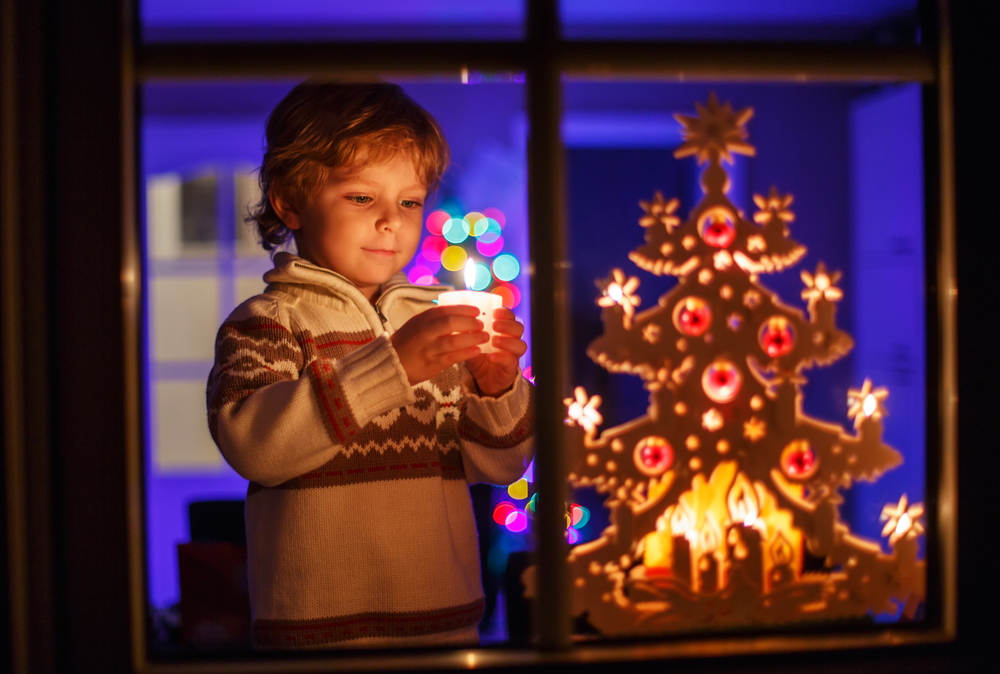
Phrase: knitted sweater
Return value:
(360, 529)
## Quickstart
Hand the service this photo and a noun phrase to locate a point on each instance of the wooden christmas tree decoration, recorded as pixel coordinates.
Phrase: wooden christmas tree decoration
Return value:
(719, 490)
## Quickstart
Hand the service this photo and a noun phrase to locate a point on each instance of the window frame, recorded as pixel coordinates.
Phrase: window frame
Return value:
(545, 57)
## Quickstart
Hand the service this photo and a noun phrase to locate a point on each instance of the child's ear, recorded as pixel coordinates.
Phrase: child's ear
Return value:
(284, 210)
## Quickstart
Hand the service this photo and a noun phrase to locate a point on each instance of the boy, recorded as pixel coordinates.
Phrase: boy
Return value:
(357, 408)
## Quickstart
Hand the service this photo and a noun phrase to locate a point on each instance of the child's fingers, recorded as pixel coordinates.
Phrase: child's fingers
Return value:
(503, 314)
(446, 325)
(512, 328)
(452, 310)
(456, 342)
(515, 347)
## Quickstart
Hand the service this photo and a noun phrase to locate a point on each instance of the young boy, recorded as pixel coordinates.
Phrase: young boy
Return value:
(358, 409)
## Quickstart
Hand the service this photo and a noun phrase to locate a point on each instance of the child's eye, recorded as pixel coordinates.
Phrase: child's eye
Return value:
(360, 199)
(410, 203)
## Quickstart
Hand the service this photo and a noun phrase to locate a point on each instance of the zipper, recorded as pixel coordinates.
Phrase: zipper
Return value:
(378, 303)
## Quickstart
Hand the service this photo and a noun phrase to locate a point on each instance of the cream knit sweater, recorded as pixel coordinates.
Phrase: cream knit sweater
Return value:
(360, 529)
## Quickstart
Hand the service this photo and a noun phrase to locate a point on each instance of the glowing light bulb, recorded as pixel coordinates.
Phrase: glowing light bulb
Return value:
(470, 274)
(903, 525)
(750, 519)
(615, 292)
(870, 405)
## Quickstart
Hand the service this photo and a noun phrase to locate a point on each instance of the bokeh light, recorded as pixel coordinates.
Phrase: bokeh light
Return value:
(529, 473)
(471, 219)
(453, 258)
(456, 230)
(433, 265)
(435, 222)
(572, 536)
(489, 248)
(517, 521)
(518, 490)
(503, 509)
(506, 267)
(509, 293)
(417, 272)
(492, 231)
(432, 247)
(480, 226)
(496, 214)
(483, 277)
(427, 281)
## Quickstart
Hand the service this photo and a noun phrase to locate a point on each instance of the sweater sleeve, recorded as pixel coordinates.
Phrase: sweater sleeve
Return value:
(497, 434)
(274, 416)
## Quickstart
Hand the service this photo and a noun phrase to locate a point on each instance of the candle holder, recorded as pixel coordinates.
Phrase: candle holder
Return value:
(484, 301)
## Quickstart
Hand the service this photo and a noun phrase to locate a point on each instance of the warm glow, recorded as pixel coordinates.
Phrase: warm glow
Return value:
(470, 274)
(682, 520)
(870, 405)
(615, 292)
(903, 525)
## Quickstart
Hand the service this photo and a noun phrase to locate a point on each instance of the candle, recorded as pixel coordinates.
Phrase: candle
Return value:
(745, 552)
(485, 302)
(708, 573)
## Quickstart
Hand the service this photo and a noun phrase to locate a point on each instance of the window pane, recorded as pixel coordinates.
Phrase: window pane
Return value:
(233, 20)
(881, 21)
(201, 146)
(753, 352)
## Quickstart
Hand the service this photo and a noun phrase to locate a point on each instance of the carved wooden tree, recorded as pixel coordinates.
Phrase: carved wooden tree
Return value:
(717, 491)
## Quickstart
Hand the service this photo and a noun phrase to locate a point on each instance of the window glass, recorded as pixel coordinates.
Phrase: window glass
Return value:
(310, 20)
(881, 21)
(748, 357)
(201, 147)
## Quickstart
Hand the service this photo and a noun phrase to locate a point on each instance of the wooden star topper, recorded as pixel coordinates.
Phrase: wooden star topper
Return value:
(716, 132)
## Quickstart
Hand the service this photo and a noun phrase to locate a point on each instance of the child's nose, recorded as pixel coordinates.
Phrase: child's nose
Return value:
(390, 219)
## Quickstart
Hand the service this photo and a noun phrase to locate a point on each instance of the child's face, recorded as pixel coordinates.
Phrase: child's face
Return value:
(363, 225)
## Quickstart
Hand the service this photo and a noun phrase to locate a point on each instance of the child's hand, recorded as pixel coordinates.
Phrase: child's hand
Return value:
(495, 372)
(436, 339)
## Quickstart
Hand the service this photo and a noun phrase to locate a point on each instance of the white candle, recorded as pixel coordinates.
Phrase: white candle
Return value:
(485, 302)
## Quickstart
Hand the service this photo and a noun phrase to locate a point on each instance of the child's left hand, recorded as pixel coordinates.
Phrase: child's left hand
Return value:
(495, 372)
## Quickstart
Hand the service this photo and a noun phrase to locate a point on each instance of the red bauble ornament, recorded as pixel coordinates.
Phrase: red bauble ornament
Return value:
(692, 316)
(721, 381)
(717, 227)
(776, 336)
(653, 455)
(798, 460)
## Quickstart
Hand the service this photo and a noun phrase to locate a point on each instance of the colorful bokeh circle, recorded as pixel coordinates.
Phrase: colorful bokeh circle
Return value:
(453, 258)
(506, 267)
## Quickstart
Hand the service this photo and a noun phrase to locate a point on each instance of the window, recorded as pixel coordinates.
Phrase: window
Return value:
(599, 116)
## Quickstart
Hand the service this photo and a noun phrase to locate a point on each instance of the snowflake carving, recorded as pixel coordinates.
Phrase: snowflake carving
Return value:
(774, 205)
(866, 402)
(821, 286)
(660, 211)
(619, 291)
(582, 410)
(902, 521)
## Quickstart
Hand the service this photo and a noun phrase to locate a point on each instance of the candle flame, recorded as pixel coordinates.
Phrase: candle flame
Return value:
(470, 275)
(682, 520)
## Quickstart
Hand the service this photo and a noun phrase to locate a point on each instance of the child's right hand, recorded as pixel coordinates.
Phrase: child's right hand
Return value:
(436, 339)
